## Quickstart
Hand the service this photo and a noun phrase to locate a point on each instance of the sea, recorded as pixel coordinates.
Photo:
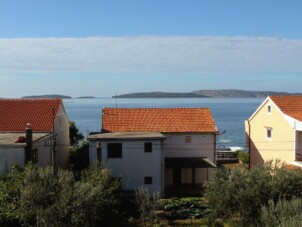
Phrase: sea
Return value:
(229, 113)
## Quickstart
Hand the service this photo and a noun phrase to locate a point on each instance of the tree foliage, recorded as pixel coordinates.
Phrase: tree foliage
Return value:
(74, 135)
(243, 157)
(79, 156)
(283, 213)
(239, 195)
(146, 203)
(10, 188)
(182, 209)
(41, 197)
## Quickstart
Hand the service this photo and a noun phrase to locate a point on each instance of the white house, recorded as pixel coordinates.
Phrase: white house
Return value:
(160, 148)
(28, 128)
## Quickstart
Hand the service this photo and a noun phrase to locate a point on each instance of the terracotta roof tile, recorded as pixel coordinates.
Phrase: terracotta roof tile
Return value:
(293, 167)
(158, 120)
(16, 113)
(289, 105)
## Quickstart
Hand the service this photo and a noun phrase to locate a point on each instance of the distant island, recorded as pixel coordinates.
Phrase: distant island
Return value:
(224, 93)
(86, 97)
(161, 95)
(46, 97)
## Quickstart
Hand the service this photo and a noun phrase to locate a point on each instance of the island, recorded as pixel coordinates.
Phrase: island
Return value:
(47, 97)
(223, 93)
(161, 95)
(86, 97)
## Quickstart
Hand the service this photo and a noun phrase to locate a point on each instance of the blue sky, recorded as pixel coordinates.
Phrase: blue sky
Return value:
(95, 47)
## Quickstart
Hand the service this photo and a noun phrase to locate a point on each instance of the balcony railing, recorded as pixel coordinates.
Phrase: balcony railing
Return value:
(223, 157)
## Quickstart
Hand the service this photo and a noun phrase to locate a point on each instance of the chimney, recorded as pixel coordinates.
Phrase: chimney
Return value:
(29, 142)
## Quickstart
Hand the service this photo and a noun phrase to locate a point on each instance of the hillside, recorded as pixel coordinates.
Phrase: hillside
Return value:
(224, 93)
(233, 93)
(161, 95)
(86, 97)
(46, 96)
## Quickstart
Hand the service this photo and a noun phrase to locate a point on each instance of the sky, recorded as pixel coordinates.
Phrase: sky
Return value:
(100, 48)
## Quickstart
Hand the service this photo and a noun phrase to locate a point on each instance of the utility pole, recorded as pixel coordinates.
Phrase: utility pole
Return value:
(53, 145)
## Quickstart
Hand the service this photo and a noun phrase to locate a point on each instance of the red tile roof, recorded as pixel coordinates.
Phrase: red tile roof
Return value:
(158, 120)
(289, 105)
(293, 167)
(16, 113)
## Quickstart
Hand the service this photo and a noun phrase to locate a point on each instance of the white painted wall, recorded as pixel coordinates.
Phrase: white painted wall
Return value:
(92, 152)
(202, 145)
(135, 164)
(10, 156)
(62, 138)
(44, 151)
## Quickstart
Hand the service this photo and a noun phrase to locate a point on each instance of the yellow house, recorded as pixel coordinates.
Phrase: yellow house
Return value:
(274, 131)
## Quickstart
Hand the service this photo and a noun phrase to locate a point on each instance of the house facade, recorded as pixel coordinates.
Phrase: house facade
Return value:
(169, 147)
(28, 129)
(274, 131)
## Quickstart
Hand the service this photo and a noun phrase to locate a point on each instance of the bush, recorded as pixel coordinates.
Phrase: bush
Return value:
(146, 203)
(42, 197)
(46, 196)
(243, 157)
(79, 156)
(238, 195)
(97, 199)
(282, 213)
(181, 209)
(10, 188)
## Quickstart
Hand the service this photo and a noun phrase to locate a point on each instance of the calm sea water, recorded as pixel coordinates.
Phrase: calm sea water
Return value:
(229, 114)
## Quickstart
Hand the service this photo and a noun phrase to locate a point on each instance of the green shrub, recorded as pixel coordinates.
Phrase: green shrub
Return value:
(239, 195)
(180, 209)
(97, 199)
(10, 188)
(282, 213)
(244, 157)
(146, 203)
(42, 197)
(79, 156)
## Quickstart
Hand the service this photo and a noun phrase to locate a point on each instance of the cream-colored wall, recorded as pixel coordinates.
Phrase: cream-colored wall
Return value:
(62, 139)
(280, 146)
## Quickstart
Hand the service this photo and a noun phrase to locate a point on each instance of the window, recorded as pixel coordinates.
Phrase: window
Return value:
(148, 147)
(269, 109)
(114, 150)
(269, 133)
(148, 180)
(188, 139)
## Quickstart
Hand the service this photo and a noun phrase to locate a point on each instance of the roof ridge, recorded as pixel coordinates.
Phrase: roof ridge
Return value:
(289, 95)
(148, 108)
(30, 99)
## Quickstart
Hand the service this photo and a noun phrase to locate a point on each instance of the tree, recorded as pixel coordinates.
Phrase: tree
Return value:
(79, 156)
(74, 135)
(46, 197)
(97, 201)
(146, 203)
(40, 197)
(283, 213)
(10, 188)
(240, 194)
